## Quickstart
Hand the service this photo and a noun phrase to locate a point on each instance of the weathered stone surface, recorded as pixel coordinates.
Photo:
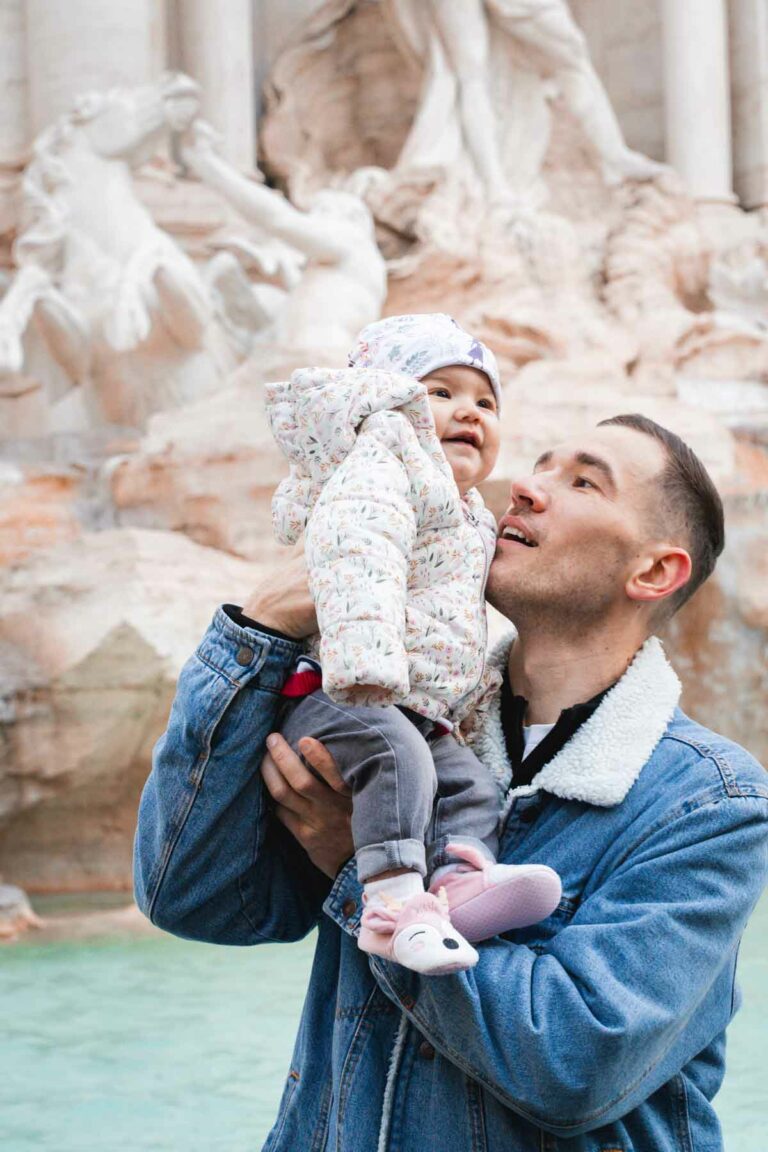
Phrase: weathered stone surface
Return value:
(208, 472)
(719, 641)
(36, 510)
(92, 637)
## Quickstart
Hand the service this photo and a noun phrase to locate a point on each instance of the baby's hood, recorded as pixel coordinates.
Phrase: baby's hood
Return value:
(315, 416)
(422, 342)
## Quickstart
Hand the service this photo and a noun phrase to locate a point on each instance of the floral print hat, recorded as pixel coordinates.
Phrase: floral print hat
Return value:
(420, 343)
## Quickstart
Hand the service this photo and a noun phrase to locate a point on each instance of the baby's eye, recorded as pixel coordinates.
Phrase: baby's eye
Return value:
(489, 404)
(443, 393)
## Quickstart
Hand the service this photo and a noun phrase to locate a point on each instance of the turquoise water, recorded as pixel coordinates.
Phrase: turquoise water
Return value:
(157, 1045)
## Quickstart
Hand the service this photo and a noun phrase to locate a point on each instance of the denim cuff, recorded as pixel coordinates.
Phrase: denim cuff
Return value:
(243, 655)
(344, 903)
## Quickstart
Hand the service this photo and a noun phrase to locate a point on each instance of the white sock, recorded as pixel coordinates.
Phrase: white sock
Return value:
(399, 888)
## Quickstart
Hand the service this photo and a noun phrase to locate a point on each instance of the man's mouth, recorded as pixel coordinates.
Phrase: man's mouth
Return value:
(518, 536)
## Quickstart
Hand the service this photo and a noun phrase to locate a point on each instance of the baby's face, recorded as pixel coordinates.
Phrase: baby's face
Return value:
(466, 421)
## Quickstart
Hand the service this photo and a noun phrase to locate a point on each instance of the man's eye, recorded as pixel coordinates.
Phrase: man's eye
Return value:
(583, 482)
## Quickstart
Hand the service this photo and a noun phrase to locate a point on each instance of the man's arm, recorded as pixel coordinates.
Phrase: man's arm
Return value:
(211, 861)
(576, 1037)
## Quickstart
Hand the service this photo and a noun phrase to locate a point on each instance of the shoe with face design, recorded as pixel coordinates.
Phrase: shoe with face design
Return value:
(416, 933)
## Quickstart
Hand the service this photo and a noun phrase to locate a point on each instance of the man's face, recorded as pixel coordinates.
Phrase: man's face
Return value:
(586, 512)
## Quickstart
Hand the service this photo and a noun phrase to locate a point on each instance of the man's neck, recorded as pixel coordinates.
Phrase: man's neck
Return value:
(554, 673)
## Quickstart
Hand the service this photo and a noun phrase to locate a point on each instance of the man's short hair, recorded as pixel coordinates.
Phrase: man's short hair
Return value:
(690, 503)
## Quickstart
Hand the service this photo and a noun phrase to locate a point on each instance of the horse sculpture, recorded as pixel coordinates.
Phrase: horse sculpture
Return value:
(104, 301)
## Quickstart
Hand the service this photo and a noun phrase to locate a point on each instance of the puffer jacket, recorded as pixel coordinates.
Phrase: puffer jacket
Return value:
(397, 559)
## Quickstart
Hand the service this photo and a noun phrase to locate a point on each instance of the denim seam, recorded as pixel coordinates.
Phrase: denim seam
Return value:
(320, 1136)
(686, 808)
(352, 1057)
(734, 986)
(477, 1116)
(683, 1124)
(196, 777)
(240, 879)
(198, 774)
(723, 766)
(292, 1081)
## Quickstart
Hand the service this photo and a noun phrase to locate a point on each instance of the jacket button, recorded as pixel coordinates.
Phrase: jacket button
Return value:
(426, 1050)
(407, 1002)
(244, 655)
(349, 907)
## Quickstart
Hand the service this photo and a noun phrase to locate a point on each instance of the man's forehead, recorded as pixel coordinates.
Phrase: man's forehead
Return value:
(627, 452)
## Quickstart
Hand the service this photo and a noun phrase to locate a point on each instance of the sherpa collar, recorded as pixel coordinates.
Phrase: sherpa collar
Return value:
(604, 758)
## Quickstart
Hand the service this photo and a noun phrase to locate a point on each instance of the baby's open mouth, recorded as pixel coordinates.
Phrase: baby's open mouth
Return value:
(466, 438)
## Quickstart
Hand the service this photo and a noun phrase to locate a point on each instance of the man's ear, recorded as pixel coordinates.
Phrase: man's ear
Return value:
(659, 573)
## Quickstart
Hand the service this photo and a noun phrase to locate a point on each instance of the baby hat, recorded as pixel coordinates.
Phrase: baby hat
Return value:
(420, 343)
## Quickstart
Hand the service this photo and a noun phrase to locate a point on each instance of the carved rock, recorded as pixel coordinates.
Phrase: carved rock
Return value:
(92, 638)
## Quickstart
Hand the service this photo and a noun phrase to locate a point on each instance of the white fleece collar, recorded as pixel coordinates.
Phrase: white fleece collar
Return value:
(605, 756)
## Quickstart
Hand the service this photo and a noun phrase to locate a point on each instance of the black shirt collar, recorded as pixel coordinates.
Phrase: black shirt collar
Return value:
(513, 710)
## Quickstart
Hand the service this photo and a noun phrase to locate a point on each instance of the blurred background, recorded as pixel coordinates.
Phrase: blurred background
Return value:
(196, 198)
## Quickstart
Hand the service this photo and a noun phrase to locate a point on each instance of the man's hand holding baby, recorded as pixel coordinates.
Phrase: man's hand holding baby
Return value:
(315, 806)
(282, 600)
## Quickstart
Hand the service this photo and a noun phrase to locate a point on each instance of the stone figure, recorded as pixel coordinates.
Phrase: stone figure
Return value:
(102, 296)
(343, 284)
(738, 285)
(453, 41)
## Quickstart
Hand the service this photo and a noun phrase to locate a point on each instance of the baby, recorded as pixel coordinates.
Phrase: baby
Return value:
(385, 456)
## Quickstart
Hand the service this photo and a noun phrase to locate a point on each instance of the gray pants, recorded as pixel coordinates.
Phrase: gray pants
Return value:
(414, 788)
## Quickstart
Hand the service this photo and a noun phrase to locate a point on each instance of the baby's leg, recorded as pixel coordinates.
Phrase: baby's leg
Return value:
(485, 898)
(467, 807)
(388, 765)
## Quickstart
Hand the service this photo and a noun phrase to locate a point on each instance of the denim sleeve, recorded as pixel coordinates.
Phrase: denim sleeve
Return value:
(624, 996)
(210, 862)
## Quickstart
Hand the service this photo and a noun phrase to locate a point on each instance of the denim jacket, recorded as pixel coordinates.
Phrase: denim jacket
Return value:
(601, 1028)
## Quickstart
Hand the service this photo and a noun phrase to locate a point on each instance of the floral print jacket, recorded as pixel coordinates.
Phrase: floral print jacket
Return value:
(397, 559)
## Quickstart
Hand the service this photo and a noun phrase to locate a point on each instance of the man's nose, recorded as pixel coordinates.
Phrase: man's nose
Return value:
(529, 492)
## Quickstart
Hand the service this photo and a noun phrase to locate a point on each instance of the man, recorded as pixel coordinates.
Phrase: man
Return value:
(603, 1025)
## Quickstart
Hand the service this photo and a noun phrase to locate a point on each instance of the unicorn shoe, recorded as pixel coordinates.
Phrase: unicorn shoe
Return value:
(417, 934)
(490, 898)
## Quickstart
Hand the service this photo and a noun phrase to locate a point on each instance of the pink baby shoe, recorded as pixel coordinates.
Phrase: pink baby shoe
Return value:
(416, 934)
(492, 898)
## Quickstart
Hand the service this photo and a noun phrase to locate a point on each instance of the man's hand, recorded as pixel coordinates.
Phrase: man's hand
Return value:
(316, 811)
(282, 600)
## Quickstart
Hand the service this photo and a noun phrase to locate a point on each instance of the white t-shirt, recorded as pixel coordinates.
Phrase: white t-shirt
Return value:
(533, 735)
